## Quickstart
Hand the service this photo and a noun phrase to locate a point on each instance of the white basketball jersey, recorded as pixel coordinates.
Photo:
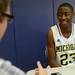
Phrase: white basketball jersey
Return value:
(65, 47)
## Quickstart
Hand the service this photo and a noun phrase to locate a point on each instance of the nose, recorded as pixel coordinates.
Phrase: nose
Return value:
(63, 17)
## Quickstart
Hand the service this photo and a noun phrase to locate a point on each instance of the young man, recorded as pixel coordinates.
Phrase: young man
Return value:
(61, 38)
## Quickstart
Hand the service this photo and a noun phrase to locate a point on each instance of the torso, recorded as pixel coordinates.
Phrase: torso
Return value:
(65, 47)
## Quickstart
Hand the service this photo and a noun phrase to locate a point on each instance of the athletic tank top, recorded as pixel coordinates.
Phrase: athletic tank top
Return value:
(65, 47)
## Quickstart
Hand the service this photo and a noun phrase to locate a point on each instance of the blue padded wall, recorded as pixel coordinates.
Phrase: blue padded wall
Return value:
(32, 20)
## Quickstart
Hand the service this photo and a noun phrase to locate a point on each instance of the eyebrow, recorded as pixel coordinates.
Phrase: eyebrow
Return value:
(7, 15)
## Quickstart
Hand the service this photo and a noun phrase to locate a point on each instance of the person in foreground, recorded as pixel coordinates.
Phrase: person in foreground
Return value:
(5, 16)
(6, 67)
(61, 38)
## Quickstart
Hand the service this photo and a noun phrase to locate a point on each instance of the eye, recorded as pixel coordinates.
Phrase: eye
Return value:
(10, 17)
(65, 14)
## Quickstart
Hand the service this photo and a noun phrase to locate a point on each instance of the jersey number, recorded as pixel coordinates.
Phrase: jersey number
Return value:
(65, 58)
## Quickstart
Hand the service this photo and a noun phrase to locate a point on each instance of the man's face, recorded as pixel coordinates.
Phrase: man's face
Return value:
(64, 16)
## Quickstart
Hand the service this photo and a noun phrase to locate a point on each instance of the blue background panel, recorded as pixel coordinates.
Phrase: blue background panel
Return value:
(32, 20)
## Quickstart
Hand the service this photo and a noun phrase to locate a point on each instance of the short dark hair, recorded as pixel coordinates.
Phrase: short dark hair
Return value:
(66, 5)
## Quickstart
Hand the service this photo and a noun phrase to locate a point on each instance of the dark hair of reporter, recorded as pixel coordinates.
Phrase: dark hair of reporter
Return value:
(3, 7)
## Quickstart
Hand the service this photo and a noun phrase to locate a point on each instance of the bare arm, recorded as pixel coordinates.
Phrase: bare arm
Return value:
(51, 50)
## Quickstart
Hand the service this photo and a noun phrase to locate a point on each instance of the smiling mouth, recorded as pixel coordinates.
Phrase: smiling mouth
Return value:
(63, 21)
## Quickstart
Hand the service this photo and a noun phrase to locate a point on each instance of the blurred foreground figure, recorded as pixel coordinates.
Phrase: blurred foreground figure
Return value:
(5, 16)
(6, 68)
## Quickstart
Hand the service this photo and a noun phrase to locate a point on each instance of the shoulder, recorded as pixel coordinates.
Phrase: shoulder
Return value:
(50, 38)
(50, 31)
(73, 23)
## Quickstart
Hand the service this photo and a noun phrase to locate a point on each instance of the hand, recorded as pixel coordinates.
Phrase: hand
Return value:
(40, 70)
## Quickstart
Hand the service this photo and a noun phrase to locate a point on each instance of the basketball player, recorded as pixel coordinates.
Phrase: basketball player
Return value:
(61, 38)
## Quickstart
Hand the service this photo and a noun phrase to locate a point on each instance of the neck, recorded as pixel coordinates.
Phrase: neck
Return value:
(67, 29)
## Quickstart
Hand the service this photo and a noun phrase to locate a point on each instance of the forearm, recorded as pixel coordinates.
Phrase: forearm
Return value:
(54, 64)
